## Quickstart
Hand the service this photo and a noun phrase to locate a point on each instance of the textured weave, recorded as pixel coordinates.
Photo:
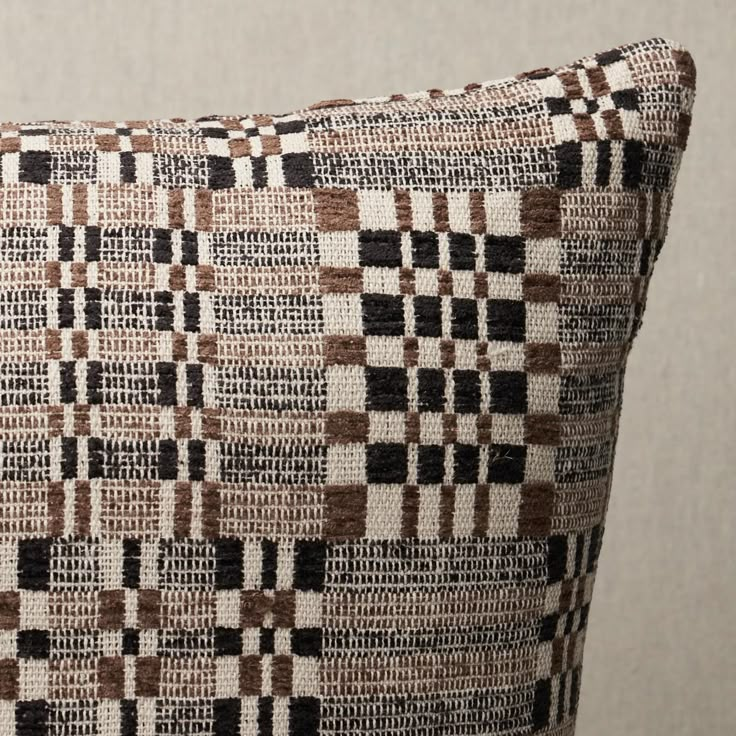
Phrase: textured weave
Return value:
(307, 421)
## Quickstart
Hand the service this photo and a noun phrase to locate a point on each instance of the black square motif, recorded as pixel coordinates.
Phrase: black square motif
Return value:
(309, 564)
(383, 314)
(34, 167)
(228, 642)
(386, 389)
(428, 316)
(464, 324)
(306, 642)
(462, 252)
(508, 392)
(425, 250)
(430, 464)
(506, 320)
(34, 564)
(466, 463)
(505, 254)
(33, 644)
(430, 389)
(380, 248)
(507, 463)
(298, 169)
(467, 391)
(386, 462)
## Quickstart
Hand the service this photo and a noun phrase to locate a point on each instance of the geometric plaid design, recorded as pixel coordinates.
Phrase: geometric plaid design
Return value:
(307, 421)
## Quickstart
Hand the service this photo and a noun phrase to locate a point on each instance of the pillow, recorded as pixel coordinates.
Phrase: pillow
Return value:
(308, 420)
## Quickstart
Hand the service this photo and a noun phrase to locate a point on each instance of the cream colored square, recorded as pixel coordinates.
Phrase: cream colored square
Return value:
(463, 284)
(252, 564)
(285, 565)
(506, 356)
(430, 428)
(380, 280)
(228, 608)
(8, 644)
(505, 286)
(308, 609)
(467, 428)
(503, 210)
(428, 517)
(33, 679)
(385, 350)
(217, 147)
(227, 677)
(543, 255)
(618, 75)
(541, 322)
(293, 142)
(8, 565)
(458, 211)
(422, 210)
(508, 428)
(425, 281)
(383, 512)
(339, 250)
(503, 514)
(464, 512)
(377, 209)
(543, 393)
(34, 609)
(346, 464)
(564, 128)
(429, 352)
(345, 388)
(305, 679)
(387, 426)
(540, 463)
(466, 354)
(343, 314)
(550, 86)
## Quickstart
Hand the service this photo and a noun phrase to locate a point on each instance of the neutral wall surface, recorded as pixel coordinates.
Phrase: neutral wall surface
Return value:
(661, 651)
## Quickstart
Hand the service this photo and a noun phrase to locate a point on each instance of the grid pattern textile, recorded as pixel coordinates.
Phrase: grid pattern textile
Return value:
(307, 421)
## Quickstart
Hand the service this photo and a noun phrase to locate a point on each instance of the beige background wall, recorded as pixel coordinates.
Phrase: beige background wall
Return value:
(661, 653)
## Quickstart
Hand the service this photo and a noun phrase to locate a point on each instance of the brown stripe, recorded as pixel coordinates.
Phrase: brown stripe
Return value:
(82, 507)
(614, 126)
(55, 508)
(79, 204)
(481, 508)
(598, 81)
(111, 677)
(410, 511)
(182, 509)
(477, 212)
(176, 208)
(54, 206)
(585, 126)
(447, 511)
(345, 511)
(402, 202)
(111, 607)
(210, 510)
(147, 676)
(571, 84)
(440, 212)
(282, 672)
(250, 675)
(203, 209)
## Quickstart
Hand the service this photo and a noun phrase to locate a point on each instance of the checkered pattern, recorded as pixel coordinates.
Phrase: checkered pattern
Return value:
(307, 422)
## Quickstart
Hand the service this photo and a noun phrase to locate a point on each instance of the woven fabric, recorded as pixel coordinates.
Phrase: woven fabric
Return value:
(307, 421)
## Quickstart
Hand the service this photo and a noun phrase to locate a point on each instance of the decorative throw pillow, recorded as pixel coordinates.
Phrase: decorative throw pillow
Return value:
(308, 420)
